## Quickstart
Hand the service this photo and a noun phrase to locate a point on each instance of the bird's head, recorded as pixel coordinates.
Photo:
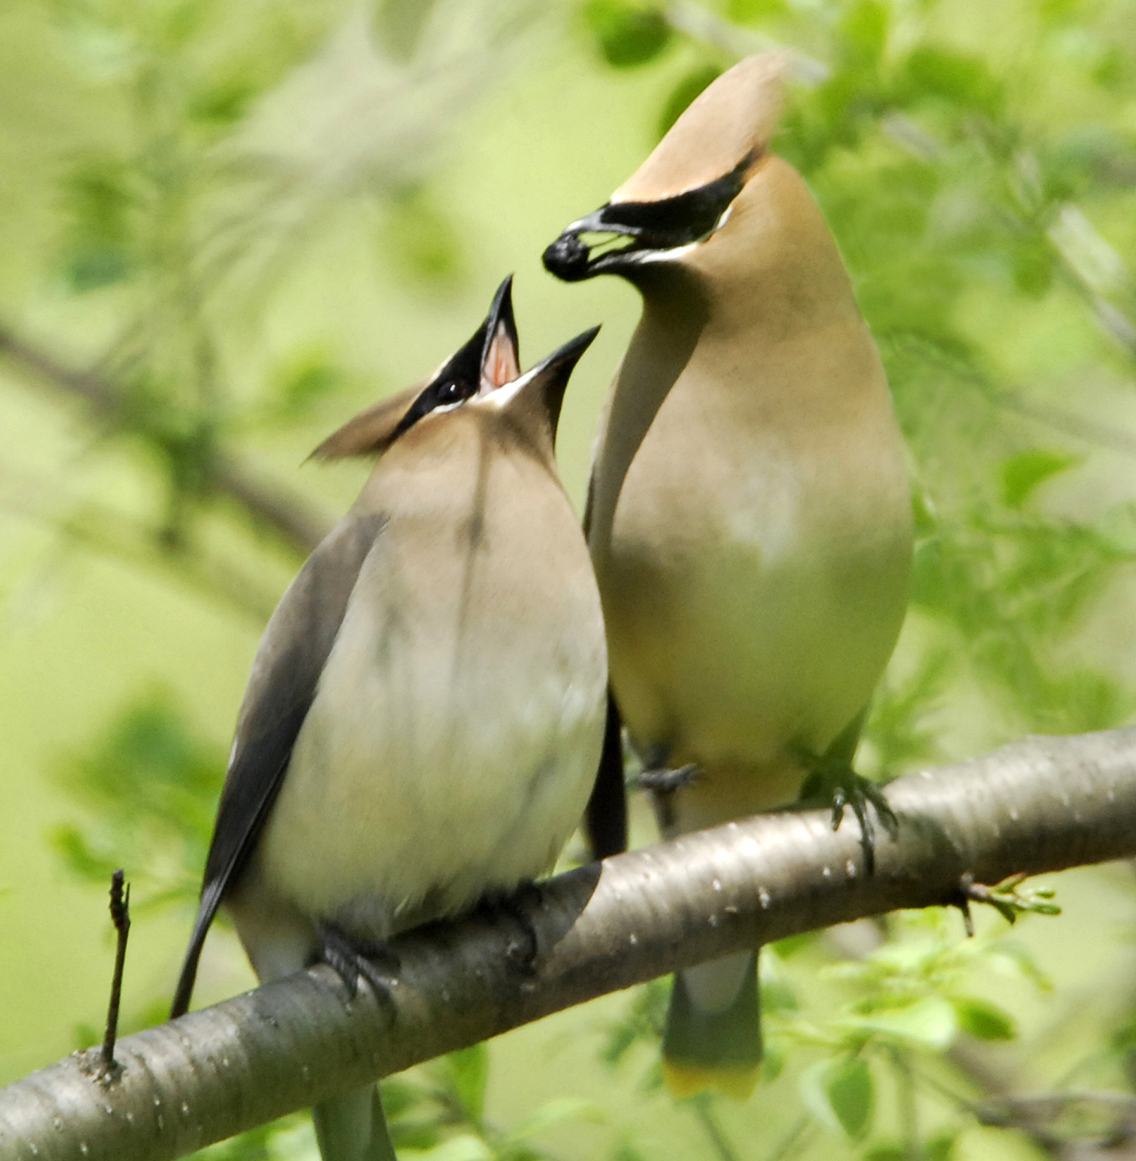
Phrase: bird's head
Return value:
(482, 376)
(487, 361)
(686, 189)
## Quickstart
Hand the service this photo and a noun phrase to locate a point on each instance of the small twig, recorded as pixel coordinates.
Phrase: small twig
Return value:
(707, 1118)
(793, 1140)
(1005, 898)
(908, 1107)
(120, 916)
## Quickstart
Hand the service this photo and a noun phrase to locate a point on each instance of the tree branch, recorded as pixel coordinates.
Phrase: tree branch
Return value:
(269, 503)
(1042, 804)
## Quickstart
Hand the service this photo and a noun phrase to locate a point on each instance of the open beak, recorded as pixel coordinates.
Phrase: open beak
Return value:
(500, 355)
(548, 380)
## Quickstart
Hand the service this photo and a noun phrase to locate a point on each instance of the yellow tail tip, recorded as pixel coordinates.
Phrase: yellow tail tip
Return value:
(687, 1080)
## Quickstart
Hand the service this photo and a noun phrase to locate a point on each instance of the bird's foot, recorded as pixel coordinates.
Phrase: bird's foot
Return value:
(661, 780)
(352, 959)
(1005, 898)
(834, 781)
(518, 906)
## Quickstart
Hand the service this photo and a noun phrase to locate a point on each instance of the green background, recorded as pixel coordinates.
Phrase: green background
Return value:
(255, 219)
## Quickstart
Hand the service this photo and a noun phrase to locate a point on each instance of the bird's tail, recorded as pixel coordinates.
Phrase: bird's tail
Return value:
(713, 1032)
(352, 1127)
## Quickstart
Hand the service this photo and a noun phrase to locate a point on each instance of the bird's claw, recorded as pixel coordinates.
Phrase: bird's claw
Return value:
(666, 781)
(351, 959)
(840, 785)
(518, 906)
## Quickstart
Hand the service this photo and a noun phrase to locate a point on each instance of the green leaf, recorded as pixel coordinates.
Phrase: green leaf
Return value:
(99, 200)
(1023, 473)
(887, 1152)
(301, 384)
(983, 1020)
(627, 34)
(840, 1095)
(1033, 264)
(222, 103)
(685, 92)
(864, 30)
(852, 1097)
(954, 77)
(929, 1023)
(772, 1064)
(72, 846)
(92, 267)
(941, 1146)
(469, 1068)
(85, 1036)
(778, 995)
(753, 11)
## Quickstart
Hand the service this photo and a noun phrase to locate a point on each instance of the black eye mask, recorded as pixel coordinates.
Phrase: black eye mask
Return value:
(457, 381)
(652, 226)
(442, 392)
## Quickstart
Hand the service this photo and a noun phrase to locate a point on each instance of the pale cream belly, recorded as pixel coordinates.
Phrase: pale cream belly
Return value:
(424, 777)
(739, 653)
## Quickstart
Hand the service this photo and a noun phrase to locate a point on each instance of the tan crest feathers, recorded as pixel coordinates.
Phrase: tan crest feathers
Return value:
(733, 117)
(371, 431)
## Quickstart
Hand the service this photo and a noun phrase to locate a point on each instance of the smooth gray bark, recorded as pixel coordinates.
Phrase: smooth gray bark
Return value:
(1042, 804)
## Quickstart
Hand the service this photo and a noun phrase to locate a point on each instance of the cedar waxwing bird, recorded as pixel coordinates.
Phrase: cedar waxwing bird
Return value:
(426, 708)
(748, 513)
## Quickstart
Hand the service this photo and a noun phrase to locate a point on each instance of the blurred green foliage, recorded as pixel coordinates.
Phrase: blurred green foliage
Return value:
(187, 165)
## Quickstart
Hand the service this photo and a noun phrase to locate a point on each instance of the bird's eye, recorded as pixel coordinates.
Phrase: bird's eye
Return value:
(442, 393)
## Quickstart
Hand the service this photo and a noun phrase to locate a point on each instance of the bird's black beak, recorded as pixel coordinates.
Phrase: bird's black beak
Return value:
(571, 259)
(549, 380)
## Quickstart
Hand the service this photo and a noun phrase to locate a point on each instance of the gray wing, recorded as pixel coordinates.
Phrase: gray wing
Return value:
(285, 673)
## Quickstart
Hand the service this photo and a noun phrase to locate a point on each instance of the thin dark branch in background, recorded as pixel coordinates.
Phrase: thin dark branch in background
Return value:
(793, 1140)
(708, 1119)
(107, 532)
(1042, 804)
(270, 503)
(1078, 426)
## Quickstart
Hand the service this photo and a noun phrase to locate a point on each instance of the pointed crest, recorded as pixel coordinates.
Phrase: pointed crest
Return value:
(731, 119)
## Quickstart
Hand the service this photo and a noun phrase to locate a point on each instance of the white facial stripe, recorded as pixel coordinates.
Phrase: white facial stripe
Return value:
(645, 256)
(678, 252)
(442, 408)
(506, 393)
